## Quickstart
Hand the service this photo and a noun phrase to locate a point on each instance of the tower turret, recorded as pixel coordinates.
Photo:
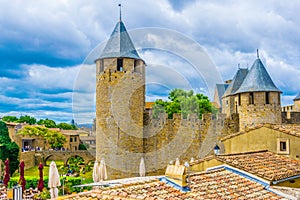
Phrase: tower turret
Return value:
(120, 97)
(258, 99)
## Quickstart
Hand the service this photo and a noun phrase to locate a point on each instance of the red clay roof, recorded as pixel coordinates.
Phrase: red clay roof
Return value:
(264, 164)
(148, 105)
(216, 184)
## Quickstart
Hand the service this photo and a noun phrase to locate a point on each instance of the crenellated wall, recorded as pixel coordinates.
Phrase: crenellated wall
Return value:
(290, 117)
(167, 139)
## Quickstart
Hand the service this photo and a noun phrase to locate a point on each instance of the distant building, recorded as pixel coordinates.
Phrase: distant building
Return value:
(291, 113)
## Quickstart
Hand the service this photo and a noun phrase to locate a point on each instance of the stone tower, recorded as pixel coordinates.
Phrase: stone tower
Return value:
(257, 100)
(228, 99)
(120, 99)
(297, 103)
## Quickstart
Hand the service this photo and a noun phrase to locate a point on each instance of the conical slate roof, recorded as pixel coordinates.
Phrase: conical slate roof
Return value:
(236, 82)
(119, 44)
(257, 80)
(221, 88)
(297, 97)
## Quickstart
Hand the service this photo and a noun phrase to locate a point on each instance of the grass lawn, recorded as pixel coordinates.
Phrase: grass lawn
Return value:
(87, 177)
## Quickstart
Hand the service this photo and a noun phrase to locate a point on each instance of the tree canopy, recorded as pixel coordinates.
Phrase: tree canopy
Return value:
(184, 103)
(8, 149)
(49, 123)
(22, 119)
(54, 138)
(66, 126)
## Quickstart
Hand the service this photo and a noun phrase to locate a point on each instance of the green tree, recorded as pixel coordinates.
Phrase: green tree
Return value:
(9, 118)
(27, 119)
(8, 149)
(49, 123)
(54, 138)
(183, 102)
(66, 126)
(82, 147)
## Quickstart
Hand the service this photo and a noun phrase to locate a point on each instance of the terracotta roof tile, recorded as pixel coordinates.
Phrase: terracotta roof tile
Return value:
(216, 184)
(266, 165)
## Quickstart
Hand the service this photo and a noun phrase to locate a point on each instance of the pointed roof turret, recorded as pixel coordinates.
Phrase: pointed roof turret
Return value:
(236, 82)
(257, 80)
(297, 97)
(119, 44)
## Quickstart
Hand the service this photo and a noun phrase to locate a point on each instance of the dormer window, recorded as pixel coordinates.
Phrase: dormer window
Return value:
(120, 65)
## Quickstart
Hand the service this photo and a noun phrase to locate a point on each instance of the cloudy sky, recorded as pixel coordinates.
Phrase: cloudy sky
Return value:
(47, 48)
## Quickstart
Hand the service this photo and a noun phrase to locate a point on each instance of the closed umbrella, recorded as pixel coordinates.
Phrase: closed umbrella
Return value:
(103, 174)
(177, 162)
(54, 181)
(41, 181)
(22, 180)
(96, 172)
(142, 167)
(6, 174)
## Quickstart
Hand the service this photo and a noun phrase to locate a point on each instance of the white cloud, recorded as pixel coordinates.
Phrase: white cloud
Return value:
(229, 30)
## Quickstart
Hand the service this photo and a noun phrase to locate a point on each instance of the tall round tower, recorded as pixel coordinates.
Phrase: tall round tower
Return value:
(258, 99)
(120, 99)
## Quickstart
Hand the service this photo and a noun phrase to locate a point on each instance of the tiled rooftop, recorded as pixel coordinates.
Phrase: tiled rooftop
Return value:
(216, 184)
(264, 164)
(288, 129)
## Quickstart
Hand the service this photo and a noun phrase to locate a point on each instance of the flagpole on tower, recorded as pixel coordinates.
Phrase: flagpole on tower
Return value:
(120, 11)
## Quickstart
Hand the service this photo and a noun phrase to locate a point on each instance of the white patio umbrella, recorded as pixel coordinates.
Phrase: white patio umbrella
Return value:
(102, 174)
(54, 180)
(96, 172)
(142, 167)
(177, 162)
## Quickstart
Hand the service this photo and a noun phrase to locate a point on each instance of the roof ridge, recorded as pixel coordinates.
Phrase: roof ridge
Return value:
(243, 153)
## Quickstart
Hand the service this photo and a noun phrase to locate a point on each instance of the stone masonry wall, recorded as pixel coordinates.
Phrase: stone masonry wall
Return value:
(120, 101)
(167, 139)
(294, 117)
(259, 112)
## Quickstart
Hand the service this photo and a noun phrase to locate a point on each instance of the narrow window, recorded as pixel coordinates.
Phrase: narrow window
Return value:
(239, 99)
(282, 145)
(101, 66)
(71, 139)
(251, 98)
(267, 97)
(135, 65)
(120, 65)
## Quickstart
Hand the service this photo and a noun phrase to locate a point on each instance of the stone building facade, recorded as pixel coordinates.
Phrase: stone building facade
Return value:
(125, 131)
(253, 96)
